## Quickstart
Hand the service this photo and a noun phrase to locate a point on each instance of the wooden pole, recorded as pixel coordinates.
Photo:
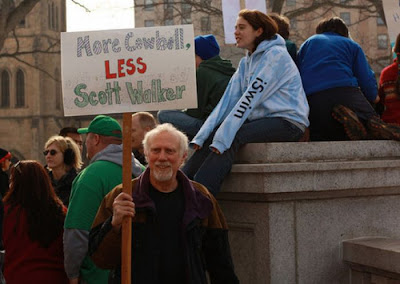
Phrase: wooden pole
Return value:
(126, 242)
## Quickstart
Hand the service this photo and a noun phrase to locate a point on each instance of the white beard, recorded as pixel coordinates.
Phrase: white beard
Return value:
(164, 174)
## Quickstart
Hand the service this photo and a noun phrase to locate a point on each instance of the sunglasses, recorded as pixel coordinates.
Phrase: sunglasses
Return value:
(52, 152)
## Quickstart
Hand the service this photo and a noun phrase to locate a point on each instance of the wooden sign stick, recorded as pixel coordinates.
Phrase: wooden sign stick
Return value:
(126, 245)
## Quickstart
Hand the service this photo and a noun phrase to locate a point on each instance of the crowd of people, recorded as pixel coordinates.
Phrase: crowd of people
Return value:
(61, 222)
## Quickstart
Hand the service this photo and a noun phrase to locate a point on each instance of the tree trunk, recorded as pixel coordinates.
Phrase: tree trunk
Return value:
(10, 16)
(276, 6)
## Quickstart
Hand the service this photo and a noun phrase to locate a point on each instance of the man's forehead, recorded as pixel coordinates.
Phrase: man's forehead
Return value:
(74, 136)
(164, 138)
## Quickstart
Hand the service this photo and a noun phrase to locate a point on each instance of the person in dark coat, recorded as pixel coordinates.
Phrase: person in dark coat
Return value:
(180, 230)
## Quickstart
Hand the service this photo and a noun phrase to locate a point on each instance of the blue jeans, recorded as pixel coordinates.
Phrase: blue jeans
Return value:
(185, 123)
(210, 169)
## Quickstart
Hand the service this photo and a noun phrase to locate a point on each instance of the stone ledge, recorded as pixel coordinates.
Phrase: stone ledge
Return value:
(374, 252)
(288, 152)
(276, 168)
(312, 176)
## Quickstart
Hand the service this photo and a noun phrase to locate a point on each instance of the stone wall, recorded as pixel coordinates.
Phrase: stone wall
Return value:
(290, 206)
(373, 260)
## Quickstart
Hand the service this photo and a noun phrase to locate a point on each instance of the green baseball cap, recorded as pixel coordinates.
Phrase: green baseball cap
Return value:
(103, 125)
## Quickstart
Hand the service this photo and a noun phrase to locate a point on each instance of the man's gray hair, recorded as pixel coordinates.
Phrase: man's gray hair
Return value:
(166, 127)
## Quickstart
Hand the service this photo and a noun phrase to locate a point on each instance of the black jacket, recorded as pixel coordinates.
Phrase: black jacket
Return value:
(205, 236)
(63, 186)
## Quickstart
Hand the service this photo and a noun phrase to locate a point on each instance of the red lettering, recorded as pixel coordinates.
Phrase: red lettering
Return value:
(121, 63)
(131, 67)
(108, 74)
(144, 66)
(125, 68)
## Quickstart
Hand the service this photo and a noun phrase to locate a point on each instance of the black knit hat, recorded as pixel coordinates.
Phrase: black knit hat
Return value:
(4, 154)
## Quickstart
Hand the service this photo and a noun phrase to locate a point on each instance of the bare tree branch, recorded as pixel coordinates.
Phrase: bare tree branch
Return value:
(36, 67)
(81, 5)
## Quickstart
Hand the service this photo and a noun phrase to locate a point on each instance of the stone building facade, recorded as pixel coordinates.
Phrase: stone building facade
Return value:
(30, 87)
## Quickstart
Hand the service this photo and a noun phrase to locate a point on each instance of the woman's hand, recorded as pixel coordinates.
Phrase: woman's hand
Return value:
(196, 147)
(122, 206)
(215, 150)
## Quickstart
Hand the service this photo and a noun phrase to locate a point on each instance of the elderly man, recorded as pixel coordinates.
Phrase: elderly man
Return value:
(179, 229)
(104, 172)
(142, 122)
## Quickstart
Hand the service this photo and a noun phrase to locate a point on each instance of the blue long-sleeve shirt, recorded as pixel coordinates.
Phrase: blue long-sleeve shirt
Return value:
(329, 60)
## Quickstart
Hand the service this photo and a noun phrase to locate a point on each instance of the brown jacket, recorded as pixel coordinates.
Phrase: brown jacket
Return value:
(203, 219)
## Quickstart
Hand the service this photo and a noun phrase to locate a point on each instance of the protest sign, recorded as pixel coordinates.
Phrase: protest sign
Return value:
(117, 71)
(392, 15)
(230, 11)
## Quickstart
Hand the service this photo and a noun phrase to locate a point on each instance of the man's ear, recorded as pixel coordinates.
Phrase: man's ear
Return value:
(96, 138)
(184, 157)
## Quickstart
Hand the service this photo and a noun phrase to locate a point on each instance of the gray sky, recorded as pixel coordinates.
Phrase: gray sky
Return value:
(104, 15)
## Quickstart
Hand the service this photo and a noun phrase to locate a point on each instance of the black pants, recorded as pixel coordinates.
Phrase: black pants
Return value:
(323, 127)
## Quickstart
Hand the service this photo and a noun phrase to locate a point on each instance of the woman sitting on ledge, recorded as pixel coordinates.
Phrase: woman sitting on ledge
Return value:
(263, 102)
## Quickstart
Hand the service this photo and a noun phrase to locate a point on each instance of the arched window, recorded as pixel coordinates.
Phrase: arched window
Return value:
(53, 20)
(5, 89)
(49, 15)
(57, 27)
(20, 101)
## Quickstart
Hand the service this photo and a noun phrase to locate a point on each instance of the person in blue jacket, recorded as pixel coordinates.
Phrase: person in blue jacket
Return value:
(335, 71)
(263, 102)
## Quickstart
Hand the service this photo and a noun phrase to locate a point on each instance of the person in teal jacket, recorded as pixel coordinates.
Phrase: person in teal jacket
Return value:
(104, 172)
(212, 76)
(263, 102)
(283, 29)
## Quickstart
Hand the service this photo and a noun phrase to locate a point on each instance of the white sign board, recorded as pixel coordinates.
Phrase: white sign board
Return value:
(130, 70)
(392, 15)
(230, 11)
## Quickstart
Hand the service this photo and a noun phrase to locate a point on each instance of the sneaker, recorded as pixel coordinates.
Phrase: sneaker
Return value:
(382, 130)
(353, 127)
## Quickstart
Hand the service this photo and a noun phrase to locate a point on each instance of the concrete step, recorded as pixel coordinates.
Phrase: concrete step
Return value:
(260, 153)
(312, 176)
(266, 168)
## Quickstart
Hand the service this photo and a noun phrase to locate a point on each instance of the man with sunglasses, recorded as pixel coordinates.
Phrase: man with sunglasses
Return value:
(104, 172)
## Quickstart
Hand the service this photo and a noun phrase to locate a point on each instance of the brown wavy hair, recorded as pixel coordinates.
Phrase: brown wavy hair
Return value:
(31, 191)
(334, 24)
(257, 20)
(283, 24)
